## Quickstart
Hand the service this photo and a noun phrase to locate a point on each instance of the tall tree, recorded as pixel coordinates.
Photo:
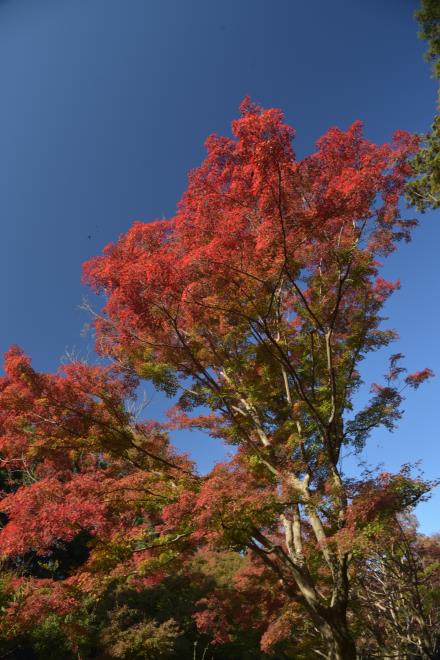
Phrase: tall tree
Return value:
(400, 582)
(424, 191)
(258, 301)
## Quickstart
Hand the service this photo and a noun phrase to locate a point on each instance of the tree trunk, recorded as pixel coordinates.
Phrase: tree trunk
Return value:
(330, 621)
(340, 644)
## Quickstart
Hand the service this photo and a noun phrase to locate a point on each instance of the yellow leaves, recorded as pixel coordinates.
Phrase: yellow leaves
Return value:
(294, 440)
(253, 461)
(155, 563)
(106, 556)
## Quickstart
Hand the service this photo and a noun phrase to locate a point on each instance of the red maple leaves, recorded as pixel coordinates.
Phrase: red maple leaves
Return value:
(255, 303)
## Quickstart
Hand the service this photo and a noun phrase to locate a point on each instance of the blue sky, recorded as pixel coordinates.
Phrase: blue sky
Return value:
(105, 106)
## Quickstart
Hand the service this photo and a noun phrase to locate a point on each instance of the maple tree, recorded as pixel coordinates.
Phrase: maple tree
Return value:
(257, 301)
(86, 567)
(253, 307)
(83, 485)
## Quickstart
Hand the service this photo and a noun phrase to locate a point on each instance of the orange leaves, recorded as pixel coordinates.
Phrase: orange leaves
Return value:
(415, 379)
(46, 512)
(229, 504)
(255, 303)
(36, 599)
(250, 212)
(72, 409)
(77, 469)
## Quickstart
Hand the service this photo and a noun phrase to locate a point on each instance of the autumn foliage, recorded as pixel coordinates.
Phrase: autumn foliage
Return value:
(253, 308)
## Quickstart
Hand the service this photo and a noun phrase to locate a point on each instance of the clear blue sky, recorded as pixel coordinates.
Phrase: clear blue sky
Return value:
(105, 106)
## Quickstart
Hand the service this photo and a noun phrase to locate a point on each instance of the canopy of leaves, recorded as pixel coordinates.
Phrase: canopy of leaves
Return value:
(257, 303)
(424, 191)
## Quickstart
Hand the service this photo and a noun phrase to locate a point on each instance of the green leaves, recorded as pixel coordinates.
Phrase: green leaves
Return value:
(161, 375)
(428, 16)
(424, 191)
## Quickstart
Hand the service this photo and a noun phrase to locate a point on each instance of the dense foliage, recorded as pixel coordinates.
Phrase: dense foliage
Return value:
(424, 191)
(253, 308)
